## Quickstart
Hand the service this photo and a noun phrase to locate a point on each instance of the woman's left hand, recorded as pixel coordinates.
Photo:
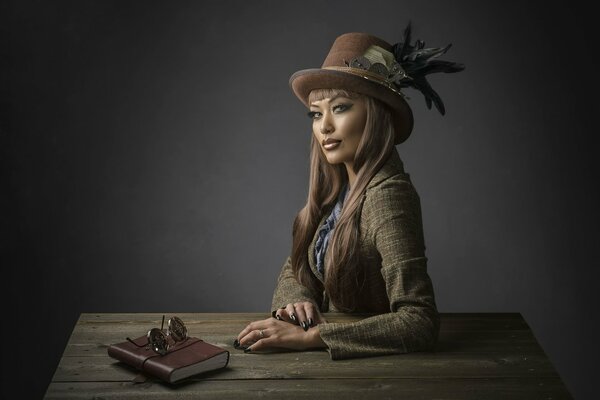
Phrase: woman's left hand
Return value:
(278, 334)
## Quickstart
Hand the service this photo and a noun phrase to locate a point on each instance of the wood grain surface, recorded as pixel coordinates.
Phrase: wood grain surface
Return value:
(479, 356)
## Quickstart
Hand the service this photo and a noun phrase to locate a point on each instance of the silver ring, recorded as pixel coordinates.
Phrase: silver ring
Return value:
(262, 335)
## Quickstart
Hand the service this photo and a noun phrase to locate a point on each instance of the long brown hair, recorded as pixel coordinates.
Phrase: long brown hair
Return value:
(343, 276)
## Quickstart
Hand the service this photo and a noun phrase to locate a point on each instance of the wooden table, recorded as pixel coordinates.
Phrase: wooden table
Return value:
(479, 356)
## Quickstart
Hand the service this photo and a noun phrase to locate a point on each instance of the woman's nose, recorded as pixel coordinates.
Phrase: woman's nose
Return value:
(326, 125)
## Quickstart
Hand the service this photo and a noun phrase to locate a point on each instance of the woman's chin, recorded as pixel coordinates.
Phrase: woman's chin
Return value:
(334, 160)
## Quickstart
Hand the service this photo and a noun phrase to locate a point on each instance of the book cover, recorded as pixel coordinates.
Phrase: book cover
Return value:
(184, 359)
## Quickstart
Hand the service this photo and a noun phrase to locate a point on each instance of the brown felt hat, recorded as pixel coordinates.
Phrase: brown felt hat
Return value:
(347, 67)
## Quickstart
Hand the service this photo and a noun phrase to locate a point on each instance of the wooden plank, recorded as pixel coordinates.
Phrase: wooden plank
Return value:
(85, 342)
(475, 333)
(215, 326)
(215, 329)
(114, 334)
(356, 388)
(317, 364)
(463, 321)
(87, 316)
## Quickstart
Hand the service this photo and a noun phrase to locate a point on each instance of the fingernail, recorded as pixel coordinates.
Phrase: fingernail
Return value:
(293, 317)
(304, 326)
(236, 343)
(310, 321)
(248, 350)
(278, 317)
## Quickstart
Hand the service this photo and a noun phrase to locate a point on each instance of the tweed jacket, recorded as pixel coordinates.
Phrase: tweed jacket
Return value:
(397, 288)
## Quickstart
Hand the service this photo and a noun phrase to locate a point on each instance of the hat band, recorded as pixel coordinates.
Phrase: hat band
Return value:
(368, 75)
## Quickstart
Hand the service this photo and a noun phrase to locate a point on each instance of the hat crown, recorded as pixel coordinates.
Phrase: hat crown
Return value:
(351, 45)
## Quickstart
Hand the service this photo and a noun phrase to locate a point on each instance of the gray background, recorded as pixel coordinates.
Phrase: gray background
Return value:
(154, 158)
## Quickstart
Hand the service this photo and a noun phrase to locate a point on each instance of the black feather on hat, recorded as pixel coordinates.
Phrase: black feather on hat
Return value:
(418, 62)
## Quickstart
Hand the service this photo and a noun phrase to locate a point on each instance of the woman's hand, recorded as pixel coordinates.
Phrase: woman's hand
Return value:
(277, 334)
(304, 314)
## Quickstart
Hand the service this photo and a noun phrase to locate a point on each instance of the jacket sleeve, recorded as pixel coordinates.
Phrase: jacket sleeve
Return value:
(394, 218)
(289, 290)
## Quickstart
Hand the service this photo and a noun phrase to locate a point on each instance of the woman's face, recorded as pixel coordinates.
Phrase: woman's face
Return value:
(338, 124)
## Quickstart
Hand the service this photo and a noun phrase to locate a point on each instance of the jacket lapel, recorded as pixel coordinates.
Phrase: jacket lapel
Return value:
(391, 167)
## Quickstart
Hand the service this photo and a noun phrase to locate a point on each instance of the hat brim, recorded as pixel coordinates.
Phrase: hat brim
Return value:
(304, 81)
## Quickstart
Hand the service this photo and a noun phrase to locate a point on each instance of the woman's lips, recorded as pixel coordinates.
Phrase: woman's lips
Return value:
(331, 144)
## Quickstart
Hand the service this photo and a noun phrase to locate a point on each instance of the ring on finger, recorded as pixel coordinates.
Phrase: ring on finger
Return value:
(262, 334)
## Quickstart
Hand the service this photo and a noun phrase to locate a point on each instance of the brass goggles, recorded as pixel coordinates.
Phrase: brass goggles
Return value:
(161, 342)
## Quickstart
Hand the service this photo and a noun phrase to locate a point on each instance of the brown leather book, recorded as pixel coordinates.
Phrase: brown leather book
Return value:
(184, 359)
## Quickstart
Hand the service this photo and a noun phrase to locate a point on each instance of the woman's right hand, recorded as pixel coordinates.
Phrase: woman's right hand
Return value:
(303, 313)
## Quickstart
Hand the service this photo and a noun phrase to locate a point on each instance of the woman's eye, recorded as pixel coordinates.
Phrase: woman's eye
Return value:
(313, 114)
(341, 107)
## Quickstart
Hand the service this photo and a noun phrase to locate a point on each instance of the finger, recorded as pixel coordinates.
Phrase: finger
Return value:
(262, 344)
(280, 314)
(261, 324)
(244, 341)
(253, 337)
(301, 315)
(311, 314)
(292, 313)
(250, 327)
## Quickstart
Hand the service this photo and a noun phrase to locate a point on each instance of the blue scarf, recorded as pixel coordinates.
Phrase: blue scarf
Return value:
(326, 230)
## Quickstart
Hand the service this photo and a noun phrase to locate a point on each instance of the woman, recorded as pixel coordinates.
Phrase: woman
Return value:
(358, 243)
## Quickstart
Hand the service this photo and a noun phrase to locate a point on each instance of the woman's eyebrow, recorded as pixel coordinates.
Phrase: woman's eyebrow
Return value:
(330, 100)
